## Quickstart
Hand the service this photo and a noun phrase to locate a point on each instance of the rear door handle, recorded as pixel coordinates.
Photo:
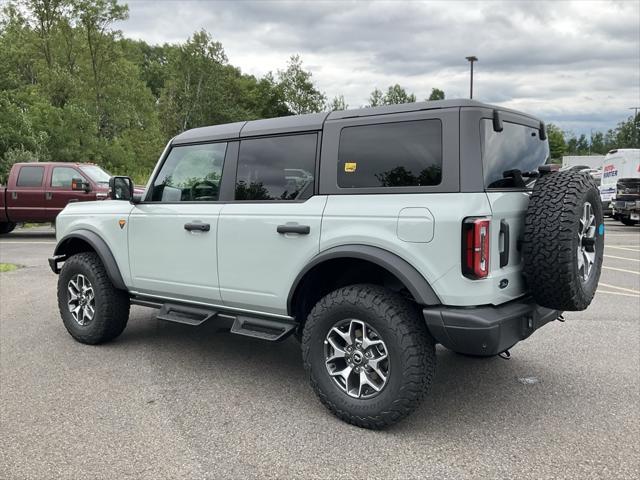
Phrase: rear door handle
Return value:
(198, 227)
(294, 228)
(48, 195)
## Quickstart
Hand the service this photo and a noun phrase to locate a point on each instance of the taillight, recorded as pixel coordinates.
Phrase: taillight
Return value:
(475, 247)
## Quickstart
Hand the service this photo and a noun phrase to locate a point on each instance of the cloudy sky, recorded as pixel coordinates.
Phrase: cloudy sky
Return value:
(573, 63)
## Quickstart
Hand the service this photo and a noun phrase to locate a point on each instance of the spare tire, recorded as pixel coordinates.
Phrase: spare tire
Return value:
(563, 240)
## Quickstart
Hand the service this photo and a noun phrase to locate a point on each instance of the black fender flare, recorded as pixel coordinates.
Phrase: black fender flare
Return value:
(413, 280)
(101, 248)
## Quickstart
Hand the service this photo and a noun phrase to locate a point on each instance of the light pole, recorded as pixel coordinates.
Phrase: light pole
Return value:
(471, 59)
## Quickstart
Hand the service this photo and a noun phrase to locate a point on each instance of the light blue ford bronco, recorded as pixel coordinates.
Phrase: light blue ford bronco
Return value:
(371, 235)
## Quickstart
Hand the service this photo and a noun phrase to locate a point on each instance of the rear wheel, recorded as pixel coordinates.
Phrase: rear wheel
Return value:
(92, 309)
(6, 227)
(369, 355)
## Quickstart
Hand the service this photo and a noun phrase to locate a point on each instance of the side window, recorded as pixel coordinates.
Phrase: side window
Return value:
(190, 173)
(401, 154)
(276, 168)
(30, 177)
(62, 177)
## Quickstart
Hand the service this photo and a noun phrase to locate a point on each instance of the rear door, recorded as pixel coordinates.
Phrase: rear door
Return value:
(517, 147)
(173, 233)
(25, 197)
(271, 229)
(59, 193)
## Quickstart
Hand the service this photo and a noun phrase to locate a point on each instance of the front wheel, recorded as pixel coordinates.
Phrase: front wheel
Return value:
(6, 227)
(368, 354)
(92, 309)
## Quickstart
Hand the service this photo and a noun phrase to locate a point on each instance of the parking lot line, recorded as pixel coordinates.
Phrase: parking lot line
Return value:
(622, 258)
(622, 270)
(26, 242)
(630, 248)
(619, 293)
(619, 288)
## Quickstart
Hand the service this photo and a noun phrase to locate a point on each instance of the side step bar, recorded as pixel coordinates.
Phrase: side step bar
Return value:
(270, 329)
(186, 315)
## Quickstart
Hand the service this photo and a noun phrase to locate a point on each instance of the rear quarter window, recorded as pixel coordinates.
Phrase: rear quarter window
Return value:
(30, 177)
(400, 154)
(516, 147)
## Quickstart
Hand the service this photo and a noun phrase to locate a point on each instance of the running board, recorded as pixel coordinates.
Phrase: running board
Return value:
(185, 315)
(270, 329)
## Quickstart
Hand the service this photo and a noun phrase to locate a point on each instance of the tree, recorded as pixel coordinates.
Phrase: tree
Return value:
(557, 145)
(300, 94)
(396, 95)
(95, 17)
(337, 103)
(436, 94)
(376, 98)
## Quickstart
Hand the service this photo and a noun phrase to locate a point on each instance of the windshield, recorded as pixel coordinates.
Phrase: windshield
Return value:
(515, 147)
(96, 173)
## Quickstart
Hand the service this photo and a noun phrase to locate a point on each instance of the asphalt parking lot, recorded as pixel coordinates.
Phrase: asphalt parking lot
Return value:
(172, 401)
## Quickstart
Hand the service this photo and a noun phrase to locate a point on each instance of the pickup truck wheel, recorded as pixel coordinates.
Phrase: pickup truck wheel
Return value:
(92, 309)
(563, 241)
(368, 354)
(6, 227)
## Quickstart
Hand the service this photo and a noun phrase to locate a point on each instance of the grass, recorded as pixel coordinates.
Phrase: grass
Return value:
(8, 267)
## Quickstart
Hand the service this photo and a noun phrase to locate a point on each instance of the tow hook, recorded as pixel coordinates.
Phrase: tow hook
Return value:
(560, 318)
(506, 355)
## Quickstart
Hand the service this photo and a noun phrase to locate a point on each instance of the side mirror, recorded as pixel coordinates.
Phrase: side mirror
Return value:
(121, 188)
(79, 184)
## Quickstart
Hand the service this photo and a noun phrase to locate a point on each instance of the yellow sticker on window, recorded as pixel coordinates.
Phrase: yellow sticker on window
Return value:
(350, 167)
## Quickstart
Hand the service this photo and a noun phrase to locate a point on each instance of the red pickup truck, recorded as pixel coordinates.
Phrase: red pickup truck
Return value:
(37, 192)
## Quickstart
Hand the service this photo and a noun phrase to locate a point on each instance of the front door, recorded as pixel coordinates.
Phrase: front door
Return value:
(272, 228)
(59, 193)
(172, 234)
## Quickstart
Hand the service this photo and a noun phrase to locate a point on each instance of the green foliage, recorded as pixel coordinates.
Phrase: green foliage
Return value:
(301, 96)
(557, 144)
(338, 103)
(396, 94)
(436, 94)
(11, 156)
(625, 135)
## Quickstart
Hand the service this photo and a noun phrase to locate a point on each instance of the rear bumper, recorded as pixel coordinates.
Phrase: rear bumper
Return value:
(486, 330)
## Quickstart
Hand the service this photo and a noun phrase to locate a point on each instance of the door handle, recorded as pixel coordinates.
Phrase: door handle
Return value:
(294, 228)
(48, 195)
(198, 227)
(14, 195)
(504, 233)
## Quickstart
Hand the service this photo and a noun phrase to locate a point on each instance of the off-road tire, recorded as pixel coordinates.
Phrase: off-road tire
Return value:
(411, 353)
(550, 244)
(6, 227)
(628, 222)
(111, 305)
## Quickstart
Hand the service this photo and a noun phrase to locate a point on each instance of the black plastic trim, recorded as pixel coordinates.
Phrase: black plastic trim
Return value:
(101, 248)
(405, 272)
(486, 330)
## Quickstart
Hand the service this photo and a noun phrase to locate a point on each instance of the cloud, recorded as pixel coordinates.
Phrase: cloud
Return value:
(573, 63)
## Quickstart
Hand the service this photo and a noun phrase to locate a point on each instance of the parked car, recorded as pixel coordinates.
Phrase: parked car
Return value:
(619, 186)
(370, 234)
(37, 192)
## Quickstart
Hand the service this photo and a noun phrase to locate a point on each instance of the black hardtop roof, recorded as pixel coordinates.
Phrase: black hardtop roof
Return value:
(315, 121)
